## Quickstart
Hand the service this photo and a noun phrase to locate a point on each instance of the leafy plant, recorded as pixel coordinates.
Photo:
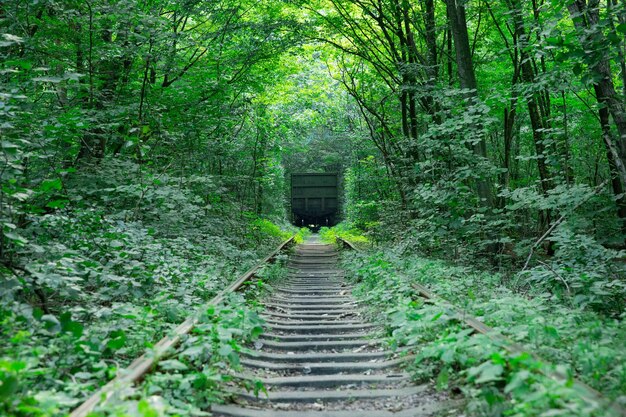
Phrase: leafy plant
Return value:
(493, 379)
(343, 231)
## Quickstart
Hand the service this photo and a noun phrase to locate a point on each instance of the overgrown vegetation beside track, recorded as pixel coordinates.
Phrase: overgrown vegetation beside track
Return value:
(90, 288)
(578, 342)
(343, 231)
(198, 373)
(203, 367)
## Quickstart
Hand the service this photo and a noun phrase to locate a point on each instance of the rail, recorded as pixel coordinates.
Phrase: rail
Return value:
(587, 392)
(347, 244)
(140, 366)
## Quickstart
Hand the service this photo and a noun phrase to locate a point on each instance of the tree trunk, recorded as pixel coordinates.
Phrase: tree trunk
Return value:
(617, 170)
(467, 79)
(586, 17)
(535, 102)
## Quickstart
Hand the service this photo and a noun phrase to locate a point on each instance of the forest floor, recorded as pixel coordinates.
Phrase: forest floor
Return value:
(113, 288)
(61, 350)
(557, 337)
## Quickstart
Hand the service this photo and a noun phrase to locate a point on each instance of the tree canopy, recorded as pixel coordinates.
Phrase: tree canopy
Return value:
(147, 148)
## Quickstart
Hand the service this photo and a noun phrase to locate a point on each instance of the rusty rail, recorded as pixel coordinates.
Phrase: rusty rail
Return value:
(347, 244)
(140, 366)
(587, 392)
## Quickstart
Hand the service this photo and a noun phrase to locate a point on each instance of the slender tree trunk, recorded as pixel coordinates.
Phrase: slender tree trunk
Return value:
(617, 170)
(432, 71)
(405, 113)
(510, 116)
(410, 85)
(431, 40)
(621, 48)
(586, 17)
(449, 61)
(404, 95)
(467, 79)
(534, 100)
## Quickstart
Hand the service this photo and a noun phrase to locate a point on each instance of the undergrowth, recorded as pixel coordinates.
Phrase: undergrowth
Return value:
(199, 372)
(203, 369)
(343, 231)
(267, 228)
(88, 291)
(573, 342)
(196, 375)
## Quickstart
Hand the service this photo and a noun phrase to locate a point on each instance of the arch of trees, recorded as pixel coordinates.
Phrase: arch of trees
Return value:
(136, 135)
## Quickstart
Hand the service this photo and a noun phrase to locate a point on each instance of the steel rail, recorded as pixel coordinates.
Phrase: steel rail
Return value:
(587, 392)
(140, 366)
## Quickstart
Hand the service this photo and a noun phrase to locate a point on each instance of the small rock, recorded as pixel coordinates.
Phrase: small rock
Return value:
(317, 406)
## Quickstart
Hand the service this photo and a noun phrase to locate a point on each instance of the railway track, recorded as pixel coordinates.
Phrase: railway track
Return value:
(319, 356)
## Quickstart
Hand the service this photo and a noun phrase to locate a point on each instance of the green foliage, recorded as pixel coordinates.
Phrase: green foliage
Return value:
(582, 343)
(366, 184)
(302, 234)
(343, 231)
(267, 228)
(97, 282)
(547, 131)
(145, 150)
(112, 289)
(582, 272)
(264, 280)
(196, 375)
(133, 148)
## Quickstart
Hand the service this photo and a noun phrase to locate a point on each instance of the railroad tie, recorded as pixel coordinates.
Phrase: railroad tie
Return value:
(318, 358)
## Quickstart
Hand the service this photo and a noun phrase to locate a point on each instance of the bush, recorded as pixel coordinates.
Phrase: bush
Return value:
(344, 231)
